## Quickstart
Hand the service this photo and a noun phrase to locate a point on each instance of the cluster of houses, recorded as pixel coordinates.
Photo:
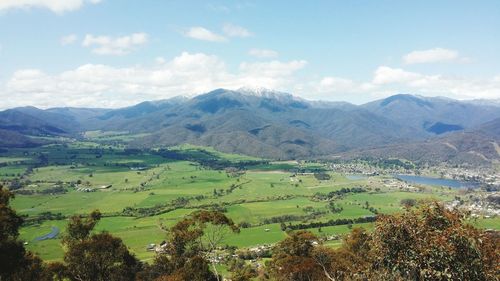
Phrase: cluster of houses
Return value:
(396, 184)
(363, 169)
(260, 250)
(159, 249)
(488, 176)
(234, 172)
(479, 205)
(493, 180)
(138, 168)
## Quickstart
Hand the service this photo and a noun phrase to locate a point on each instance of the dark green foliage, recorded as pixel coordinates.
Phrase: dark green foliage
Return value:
(338, 193)
(322, 176)
(334, 208)
(292, 258)
(441, 128)
(16, 264)
(409, 202)
(12, 253)
(332, 223)
(428, 242)
(98, 257)
(241, 271)
(190, 240)
(206, 159)
(433, 243)
(79, 228)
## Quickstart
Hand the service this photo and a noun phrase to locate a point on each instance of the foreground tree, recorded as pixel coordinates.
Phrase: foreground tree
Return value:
(191, 246)
(11, 250)
(428, 242)
(241, 271)
(215, 227)
(293, 259)
(96, 257)
(301, 256)
(15, 262)
(80, 228)
(433, 243)
(354, 258)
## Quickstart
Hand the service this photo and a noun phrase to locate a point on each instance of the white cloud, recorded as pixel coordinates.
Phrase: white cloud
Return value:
(56, 6)
(273, 74)
(433, 56)
(106, 45)
(337, 88)
(232, 30)
(388, 81)
(201, 33)
(96, 85)
(397, 80)
(331, 81)
(263, 53)
(68, 39)
(387, 75)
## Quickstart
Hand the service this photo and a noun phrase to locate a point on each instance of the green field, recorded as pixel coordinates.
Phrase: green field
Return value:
(147, 190)
(13, 159)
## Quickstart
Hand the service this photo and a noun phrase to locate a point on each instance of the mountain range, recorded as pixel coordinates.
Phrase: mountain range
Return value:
(278, 125)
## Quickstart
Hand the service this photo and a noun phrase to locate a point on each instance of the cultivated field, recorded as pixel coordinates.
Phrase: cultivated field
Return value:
(141, 192)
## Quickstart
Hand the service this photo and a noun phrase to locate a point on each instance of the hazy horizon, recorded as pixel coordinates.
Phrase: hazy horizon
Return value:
(496, 101)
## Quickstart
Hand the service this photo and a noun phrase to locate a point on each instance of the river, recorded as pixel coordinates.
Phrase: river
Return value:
(53, 234)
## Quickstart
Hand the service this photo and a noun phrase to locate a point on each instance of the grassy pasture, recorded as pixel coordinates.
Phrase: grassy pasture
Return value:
(263, 192)
(9, 172)
(13, 159)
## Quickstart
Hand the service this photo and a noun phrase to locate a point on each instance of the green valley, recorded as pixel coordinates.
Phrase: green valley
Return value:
(142, 192)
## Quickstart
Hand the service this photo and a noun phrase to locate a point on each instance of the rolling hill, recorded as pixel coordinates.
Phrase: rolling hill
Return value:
(278, 125)
(478, 145)
(34, 121)
(433, 116)
(11, 139)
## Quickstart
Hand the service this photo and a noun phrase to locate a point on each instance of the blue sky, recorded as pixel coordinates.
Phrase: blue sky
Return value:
(112, 53)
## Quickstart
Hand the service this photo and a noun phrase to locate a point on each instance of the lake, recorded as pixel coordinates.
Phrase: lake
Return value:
(436, 181)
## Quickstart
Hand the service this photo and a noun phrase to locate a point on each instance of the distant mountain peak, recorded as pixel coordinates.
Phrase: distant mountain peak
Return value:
(419, 100)
(261, 92)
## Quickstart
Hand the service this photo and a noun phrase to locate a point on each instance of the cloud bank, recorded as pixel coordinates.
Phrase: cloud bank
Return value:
(388, 80)
(98, 85)
(435, 55)
(201, 33)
